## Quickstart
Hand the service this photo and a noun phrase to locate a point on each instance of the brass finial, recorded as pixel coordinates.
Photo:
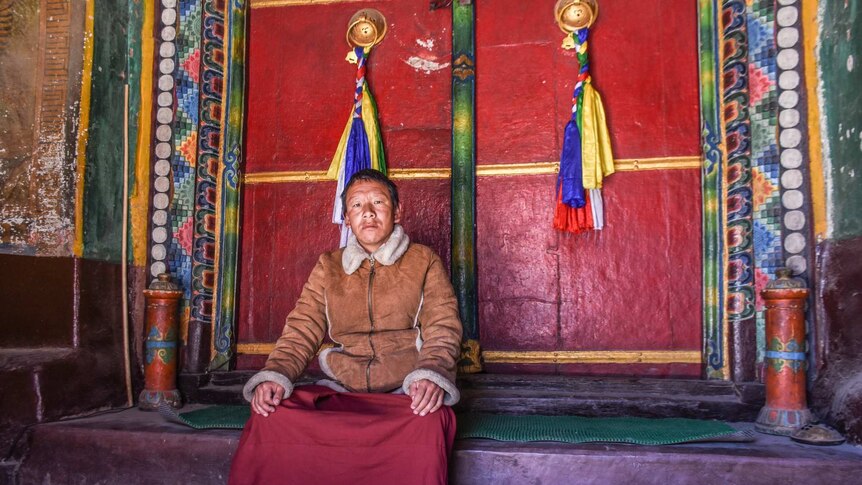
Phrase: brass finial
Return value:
(574, 15)
(366, 28)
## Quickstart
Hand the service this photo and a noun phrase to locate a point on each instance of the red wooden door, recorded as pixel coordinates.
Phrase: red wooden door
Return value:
(635, 286)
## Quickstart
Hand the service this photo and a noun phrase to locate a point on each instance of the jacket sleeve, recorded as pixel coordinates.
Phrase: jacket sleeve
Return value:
(300, 339)
(441, 332)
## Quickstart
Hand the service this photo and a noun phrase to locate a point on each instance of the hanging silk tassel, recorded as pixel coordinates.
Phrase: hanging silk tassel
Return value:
(361, 146)
(586, 157)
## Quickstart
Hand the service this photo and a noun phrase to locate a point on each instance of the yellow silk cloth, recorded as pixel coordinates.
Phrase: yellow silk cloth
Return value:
(596, 155)
(369, 122)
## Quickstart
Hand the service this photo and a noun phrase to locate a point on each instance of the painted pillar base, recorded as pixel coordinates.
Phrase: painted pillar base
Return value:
(782, 422)
(151, 400)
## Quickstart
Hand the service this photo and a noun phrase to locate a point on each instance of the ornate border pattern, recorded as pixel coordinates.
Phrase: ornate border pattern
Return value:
(160, 228)
(763, 97)
(187, 53)
(714, 329)
(209, 136)
(737, 144)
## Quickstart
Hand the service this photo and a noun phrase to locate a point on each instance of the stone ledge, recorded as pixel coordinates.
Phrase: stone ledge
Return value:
(133, 447)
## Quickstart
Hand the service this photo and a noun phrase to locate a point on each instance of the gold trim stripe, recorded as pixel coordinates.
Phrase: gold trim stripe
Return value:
(497, 170)
(139, 198)
(811, 27)
(83, 126)
(294, 3)
(594, 357)
(553, 357)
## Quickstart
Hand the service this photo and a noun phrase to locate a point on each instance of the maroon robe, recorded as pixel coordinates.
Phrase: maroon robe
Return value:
(321, 436)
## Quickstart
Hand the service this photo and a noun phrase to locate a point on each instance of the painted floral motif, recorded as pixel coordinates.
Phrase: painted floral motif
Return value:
(758, 83)
(762, 186)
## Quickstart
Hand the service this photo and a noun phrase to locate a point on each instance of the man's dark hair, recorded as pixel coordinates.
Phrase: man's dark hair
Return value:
(370, 175)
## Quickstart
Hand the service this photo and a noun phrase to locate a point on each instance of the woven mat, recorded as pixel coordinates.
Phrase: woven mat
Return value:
(577, 429)
(224, 417)
(567, 429)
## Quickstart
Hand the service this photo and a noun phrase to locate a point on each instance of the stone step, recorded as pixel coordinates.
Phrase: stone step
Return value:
(134, 447)
(555, 395)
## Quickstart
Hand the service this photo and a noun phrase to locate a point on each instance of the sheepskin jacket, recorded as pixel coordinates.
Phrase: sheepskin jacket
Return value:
(392, 315)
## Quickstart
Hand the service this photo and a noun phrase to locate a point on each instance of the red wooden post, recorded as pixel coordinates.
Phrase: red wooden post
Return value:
(160, 370)
(786, 409)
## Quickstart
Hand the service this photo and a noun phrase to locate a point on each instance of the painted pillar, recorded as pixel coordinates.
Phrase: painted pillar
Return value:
(160, 369)
(786, 408)
(715, 344)
(228, 189)
(464, 275)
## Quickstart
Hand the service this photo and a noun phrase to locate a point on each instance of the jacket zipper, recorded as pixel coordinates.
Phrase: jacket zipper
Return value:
(371, 318)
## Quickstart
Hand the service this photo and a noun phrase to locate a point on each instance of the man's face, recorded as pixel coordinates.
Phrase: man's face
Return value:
(370, 213)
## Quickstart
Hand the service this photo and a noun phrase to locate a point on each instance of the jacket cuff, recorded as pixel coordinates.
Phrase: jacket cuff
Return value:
(266, 376)
(452, 394)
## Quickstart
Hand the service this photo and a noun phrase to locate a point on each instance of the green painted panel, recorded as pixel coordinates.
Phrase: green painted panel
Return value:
(841, 65)
(103, 182)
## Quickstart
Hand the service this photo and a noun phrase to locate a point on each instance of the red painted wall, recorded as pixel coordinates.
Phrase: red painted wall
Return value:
(634, 286)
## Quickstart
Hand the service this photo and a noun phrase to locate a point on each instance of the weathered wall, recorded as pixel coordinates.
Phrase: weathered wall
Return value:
(61, 344)
(40, 55)
(837, 392)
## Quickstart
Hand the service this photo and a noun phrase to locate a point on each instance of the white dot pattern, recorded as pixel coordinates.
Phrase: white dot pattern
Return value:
(163, 134)
(791, 135)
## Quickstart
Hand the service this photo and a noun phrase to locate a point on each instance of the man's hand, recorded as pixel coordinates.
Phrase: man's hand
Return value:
(427, 397)
(267, 396)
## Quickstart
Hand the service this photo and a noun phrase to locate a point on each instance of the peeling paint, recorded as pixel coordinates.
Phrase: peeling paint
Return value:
(425, 65)
(36, 210)
(428, 43)
(828, 182)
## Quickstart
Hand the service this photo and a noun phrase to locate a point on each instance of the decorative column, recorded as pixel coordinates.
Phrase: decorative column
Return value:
(786, 409)
(464, 181)
(160, 370)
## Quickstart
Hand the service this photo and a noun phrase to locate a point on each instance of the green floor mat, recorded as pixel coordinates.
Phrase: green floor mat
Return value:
(567, 429)
(225, 417)
(577, 429)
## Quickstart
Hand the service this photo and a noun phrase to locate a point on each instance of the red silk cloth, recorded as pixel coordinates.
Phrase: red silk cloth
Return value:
(321, 436)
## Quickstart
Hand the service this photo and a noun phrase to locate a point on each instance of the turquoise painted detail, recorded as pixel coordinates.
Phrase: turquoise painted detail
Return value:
(774, 354)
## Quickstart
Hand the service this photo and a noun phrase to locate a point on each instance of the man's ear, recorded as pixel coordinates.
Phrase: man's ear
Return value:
(397, 218)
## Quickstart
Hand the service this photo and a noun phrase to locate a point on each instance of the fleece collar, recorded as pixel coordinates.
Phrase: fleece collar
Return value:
(387, 254)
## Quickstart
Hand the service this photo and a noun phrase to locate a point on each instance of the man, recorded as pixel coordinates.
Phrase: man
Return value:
(389, 307)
